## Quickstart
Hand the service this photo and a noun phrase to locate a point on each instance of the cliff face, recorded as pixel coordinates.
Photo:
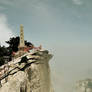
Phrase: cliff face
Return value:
(33, 76)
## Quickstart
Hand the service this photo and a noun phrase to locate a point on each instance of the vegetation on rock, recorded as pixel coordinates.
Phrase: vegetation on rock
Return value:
(13, 47)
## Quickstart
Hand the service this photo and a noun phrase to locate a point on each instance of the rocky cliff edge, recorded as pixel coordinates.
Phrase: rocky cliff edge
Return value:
(33, 75)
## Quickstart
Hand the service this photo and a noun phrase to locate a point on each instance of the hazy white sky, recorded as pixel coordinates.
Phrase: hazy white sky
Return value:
(62, 26)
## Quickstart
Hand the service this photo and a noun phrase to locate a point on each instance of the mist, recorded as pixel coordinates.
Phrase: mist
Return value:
(71, 63)
(64, 27)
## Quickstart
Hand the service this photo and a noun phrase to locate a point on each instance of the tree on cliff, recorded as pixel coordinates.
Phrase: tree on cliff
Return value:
(13, 47)
(14, 43)
(3, 52)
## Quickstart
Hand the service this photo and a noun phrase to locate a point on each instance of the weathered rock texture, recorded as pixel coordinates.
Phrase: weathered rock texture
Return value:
(34, 76)
(84, 85)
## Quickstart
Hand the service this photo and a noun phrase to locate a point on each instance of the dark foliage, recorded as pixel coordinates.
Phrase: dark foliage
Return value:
(28, 44)
(3, 52)
(2, 61)
(13, 47)
(14, 43)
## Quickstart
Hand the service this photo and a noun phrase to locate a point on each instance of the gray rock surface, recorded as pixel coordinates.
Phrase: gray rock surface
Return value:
(33, 76)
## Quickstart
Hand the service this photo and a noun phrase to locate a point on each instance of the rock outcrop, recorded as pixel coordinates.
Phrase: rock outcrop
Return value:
(30, 76)
(84, 85)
